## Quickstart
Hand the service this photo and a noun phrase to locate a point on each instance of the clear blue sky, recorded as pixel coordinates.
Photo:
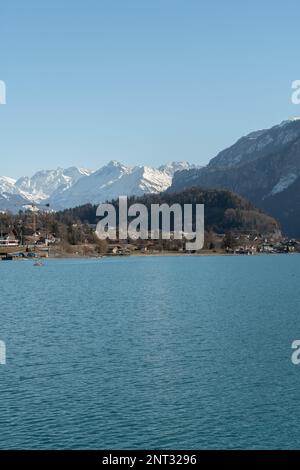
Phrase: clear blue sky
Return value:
(141, 81)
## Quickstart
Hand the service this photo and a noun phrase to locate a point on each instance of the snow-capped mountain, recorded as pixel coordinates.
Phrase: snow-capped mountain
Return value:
(258, 144)
(114, 180)
(90, 188)
(64, 188)
(7, 185)
(10, 198)
(171, 168)
(263, 166)
(11, 202)
(43, 184)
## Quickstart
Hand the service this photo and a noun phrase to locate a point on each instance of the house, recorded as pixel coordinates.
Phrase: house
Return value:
(114, 250)
(51, 238)
(118, 250)
(41, 241)
(8, 240)
(46, 241)
(245, 250)
(266, 248)
(36, 234)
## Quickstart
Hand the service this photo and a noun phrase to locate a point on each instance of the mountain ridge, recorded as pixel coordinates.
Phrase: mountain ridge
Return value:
(262, 167)
(62, 188)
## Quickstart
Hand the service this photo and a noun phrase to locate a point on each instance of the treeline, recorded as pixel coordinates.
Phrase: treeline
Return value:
(224, 210)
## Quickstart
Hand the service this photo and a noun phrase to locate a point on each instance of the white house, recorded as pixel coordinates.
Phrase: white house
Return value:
(8, 240)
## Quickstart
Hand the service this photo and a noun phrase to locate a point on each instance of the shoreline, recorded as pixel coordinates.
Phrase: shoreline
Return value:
(134, 254)
(164, 254)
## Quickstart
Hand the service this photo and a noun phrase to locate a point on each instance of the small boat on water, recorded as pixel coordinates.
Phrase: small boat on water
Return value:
(38, 263)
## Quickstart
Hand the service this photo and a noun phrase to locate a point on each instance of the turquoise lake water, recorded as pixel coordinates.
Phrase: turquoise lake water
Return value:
(150, 353)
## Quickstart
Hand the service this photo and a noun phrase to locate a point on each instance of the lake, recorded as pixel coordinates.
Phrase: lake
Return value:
(150, 353)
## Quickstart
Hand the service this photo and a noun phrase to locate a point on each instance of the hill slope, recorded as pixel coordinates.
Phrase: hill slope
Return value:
(224, 211)
(264, 167)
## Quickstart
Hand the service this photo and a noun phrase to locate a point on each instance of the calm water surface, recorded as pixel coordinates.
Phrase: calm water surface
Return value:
(150, 352)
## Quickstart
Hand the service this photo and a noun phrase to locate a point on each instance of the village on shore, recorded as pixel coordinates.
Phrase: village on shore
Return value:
(41, 244)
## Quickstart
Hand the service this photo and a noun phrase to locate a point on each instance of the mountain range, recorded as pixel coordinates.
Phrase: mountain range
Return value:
(64, 188)
(263, 166)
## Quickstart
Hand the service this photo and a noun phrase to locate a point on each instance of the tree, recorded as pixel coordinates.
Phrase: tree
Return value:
(229, 241)
(101, 246)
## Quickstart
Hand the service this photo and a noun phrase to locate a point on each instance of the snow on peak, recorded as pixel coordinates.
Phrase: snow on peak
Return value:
(116, 179)
(64, 188)
(172, 167)
(288, 121)
(114, 163)
(45, 182)
(257, 144)
(8, 179)
(153, 180)
(7, 185)
(85, 171)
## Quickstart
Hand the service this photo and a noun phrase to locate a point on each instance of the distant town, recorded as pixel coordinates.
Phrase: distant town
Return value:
(43, 244)
(233, 226)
